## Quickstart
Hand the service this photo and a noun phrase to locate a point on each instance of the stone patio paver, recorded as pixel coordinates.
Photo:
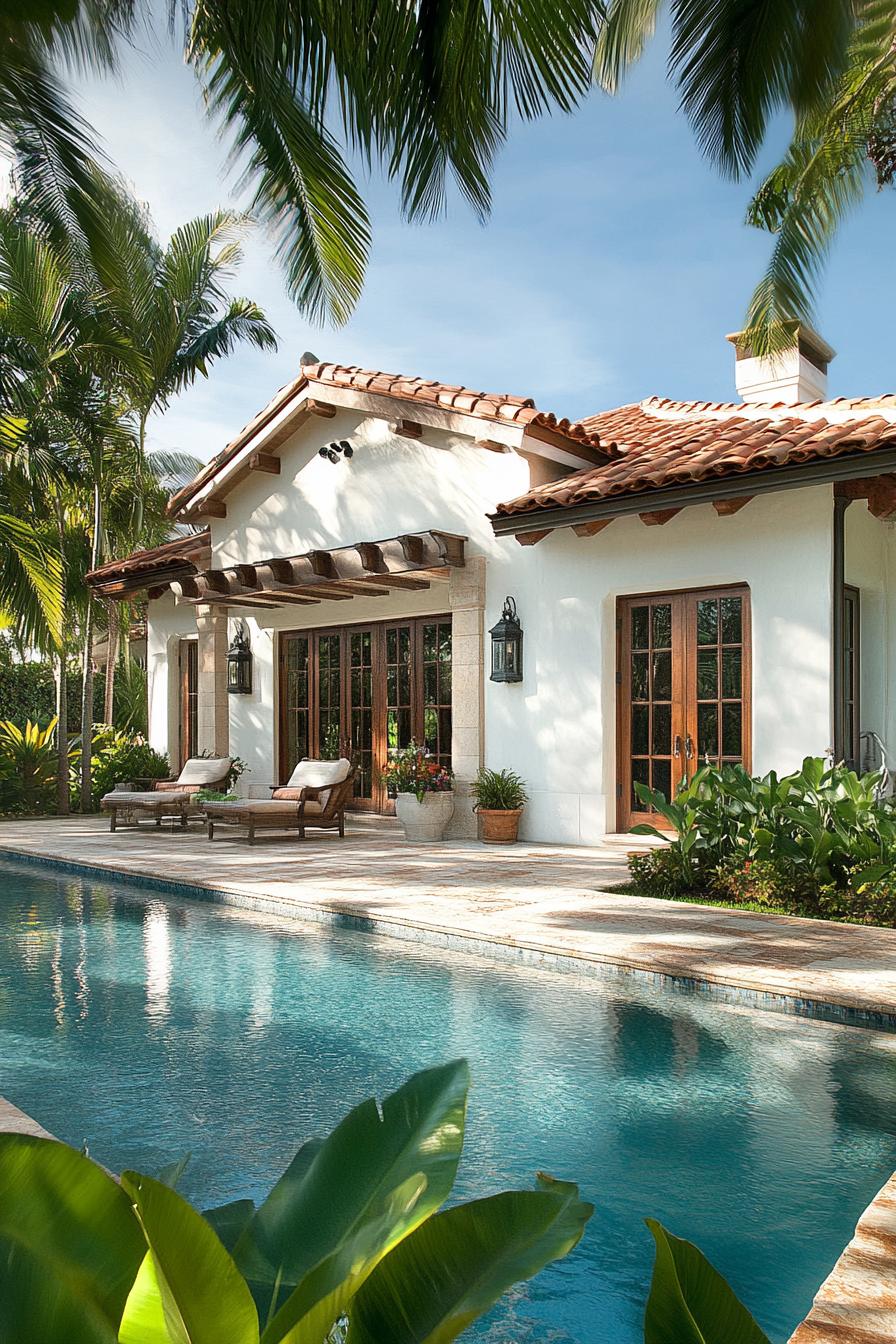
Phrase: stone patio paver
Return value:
(548, 898)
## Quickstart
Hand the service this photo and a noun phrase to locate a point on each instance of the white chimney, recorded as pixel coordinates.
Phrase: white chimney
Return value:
(797, 374)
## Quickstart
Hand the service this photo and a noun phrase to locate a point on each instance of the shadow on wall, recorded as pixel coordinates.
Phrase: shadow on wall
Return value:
(391, 485)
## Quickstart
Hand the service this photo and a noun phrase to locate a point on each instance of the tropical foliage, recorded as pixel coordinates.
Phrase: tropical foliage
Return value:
(351, 1239)
(27, 767)
(831, 65)
(351, 1246)
(819, 841)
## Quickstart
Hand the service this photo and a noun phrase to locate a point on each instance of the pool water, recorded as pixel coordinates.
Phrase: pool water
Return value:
(148, 1026)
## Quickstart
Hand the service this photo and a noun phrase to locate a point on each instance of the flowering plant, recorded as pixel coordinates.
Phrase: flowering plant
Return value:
(411, 769)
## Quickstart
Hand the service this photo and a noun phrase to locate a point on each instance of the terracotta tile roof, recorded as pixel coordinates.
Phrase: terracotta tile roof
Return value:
(658, 444)
(447, 396)
(187, 553)
(504, 409)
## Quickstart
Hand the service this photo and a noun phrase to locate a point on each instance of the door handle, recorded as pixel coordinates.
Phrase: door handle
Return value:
(676, 745)
(689, 748)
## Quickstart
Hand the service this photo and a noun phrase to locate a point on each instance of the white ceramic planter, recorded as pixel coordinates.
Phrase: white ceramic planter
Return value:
(425, 822)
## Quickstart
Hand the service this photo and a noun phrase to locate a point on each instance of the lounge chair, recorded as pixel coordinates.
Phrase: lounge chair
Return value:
(168, 797)
(316, 794)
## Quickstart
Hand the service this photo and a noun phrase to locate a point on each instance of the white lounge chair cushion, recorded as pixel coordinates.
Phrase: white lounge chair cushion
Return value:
(201, 771)
(135, 798)
(313, 774)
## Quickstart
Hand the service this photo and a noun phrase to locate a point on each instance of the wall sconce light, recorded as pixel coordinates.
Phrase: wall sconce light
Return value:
(507, 645)
(239, 665)
(336, 451)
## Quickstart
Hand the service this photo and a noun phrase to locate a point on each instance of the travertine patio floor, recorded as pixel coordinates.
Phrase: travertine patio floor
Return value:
(550, 899)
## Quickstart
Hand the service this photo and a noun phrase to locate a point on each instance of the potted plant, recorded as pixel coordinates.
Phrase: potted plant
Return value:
(500, 798)
(424, 797)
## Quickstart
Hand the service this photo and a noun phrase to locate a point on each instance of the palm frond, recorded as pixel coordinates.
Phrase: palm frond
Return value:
(30, 583)
(627, 28)
(824, 175)
(303, 190)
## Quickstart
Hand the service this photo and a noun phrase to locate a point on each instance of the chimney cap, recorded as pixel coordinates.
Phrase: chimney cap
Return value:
(805, 339)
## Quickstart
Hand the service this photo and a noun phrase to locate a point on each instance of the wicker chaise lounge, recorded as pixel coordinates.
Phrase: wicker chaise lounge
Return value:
(169, 797)
(316, 794)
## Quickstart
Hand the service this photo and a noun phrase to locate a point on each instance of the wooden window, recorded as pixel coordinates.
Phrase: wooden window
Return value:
(366, 690)
(851, 683)
(684, 690)
(188, 708)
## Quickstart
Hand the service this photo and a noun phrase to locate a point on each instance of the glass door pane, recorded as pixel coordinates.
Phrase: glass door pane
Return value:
(399, 702)
(294, 692)
(653, 737)
(437, 689)
(361, 708)
(329, 691)
(719, 671)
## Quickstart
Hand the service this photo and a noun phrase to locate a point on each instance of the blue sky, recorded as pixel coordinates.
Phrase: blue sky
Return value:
(613, 264)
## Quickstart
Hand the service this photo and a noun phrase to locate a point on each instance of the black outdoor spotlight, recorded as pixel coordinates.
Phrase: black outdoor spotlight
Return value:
(507, 645)
(336, 451)
(239, 665)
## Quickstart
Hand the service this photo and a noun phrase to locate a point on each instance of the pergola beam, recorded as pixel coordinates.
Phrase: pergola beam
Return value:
(368, 569)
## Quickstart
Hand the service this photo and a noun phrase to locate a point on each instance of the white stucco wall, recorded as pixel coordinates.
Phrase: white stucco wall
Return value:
(557, 728)
(870, 563)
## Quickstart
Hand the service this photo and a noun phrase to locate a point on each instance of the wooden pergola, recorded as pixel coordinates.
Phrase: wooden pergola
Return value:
(410, 562)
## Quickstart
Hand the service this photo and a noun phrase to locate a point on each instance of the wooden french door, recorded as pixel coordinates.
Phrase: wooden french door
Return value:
(683, 683)
(366, 691)
(188, 699)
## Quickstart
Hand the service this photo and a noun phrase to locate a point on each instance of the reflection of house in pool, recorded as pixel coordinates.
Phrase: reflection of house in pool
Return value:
(694, 581)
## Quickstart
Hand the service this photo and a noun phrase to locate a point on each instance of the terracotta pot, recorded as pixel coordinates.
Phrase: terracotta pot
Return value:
(424, 823)
(499, 826)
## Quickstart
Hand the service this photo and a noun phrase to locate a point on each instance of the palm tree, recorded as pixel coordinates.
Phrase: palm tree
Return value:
(95, 340)
(169, 305)
(427, 90)
(162, 474)
(829, 63)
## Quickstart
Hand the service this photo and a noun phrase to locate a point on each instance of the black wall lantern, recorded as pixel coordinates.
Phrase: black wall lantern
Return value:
(507, 645)
(239, 665)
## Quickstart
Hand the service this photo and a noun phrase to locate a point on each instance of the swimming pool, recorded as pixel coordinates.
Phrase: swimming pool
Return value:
(148, 1025)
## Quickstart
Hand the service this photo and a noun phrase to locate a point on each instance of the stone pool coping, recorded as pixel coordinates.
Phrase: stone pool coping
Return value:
(538, 905)
(856, 1304)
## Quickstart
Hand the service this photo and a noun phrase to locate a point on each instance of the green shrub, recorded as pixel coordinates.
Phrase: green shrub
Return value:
(27, 767)
(659, 873)
(788, 841)
(118, 758)
(27, 693)
(866, 902)
(499, 790)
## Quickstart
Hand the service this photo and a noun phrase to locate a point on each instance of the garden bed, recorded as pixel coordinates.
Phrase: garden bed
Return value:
(819, 844)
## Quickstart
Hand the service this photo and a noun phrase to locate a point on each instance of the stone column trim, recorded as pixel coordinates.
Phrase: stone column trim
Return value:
(466, 601)
(213, 710)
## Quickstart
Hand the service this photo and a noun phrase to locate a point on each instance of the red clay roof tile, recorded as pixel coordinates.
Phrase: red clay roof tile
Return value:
(445, 396)
(660, 443)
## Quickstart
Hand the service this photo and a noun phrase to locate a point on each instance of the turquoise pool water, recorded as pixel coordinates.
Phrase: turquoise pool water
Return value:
(149, 1025)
